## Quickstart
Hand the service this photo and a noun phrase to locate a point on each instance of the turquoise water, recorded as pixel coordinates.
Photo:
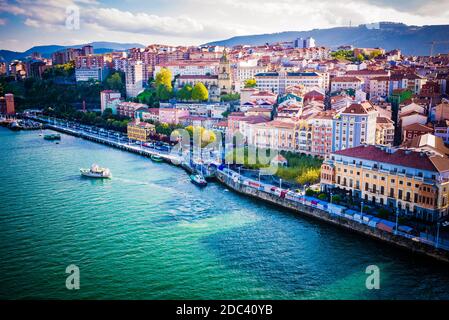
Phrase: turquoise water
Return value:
(149, 233)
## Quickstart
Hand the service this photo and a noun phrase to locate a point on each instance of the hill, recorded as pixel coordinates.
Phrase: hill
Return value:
(46, 51)
(412, 40)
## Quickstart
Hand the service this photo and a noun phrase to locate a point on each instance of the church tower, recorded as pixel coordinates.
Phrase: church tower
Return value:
(224, 75)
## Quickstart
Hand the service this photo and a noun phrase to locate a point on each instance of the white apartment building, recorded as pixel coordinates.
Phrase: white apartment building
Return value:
(134, 78)
(190, 68)
(110, 99)
(276, 82)
(249, 72)
(86, 74)
(379, 88)
(345, 83)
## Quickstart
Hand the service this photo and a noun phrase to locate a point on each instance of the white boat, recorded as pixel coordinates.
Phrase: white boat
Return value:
(96, 172)
(198, 179)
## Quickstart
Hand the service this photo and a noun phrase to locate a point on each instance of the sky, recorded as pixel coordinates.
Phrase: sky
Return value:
(27, 23)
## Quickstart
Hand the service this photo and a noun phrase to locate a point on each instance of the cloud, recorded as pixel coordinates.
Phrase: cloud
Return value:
(2, 22)
(417, 7)
(126, 21)
(199, 21)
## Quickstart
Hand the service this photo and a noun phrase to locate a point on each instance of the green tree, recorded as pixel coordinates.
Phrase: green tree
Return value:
(163, 92)
(200, 92)
(250, 83)
(185, 93)
(336, 198)
(230, 97)
(360, 57)
(107, 113)
(114, 82)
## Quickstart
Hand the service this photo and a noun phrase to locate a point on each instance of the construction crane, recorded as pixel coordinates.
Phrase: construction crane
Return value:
(433, 43)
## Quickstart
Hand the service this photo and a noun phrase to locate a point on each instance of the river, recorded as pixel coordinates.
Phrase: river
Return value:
(149, 233)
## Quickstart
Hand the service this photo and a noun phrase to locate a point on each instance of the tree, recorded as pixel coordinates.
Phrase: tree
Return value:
(163, 92)
(336, 198)
(360, 57)
(375, 54)
(163, 78)
(185, 93)
(206, 136)
(107, 113)
(230, 97)
(200, 92)
(309, 176)
(250, 83)
(114, 82)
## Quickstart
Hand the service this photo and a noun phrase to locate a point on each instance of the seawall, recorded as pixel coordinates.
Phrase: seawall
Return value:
(420, 248)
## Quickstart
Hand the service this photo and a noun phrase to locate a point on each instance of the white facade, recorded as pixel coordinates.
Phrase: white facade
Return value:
(277, 82)
(134, 78)
(109, 99)
(191, 69)
(86, 74)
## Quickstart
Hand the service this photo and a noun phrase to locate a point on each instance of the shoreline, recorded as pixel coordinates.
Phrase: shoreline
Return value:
(413, 246)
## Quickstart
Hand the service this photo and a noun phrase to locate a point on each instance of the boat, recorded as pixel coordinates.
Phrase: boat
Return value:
(156, 158)
(96, 172)
(52, 137)
(198, 179)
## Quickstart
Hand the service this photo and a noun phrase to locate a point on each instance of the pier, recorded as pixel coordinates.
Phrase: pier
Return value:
(189, 166)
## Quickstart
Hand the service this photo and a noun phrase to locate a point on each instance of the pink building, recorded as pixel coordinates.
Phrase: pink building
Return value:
(172, 115)
(322, 133)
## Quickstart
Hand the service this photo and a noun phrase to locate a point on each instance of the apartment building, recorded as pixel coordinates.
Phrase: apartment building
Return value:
(345, 83)
(354, 126)
(414, 183)
(322, 125)
(277, 82)
(134, 78)
(384, 131)
(140, 131)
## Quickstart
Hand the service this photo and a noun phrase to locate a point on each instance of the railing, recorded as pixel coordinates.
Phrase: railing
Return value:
(237, 178)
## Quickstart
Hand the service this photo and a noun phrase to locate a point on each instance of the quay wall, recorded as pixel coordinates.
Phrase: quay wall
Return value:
(396, 240)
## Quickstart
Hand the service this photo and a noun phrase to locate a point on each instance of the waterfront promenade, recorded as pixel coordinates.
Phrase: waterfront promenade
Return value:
(422, 244)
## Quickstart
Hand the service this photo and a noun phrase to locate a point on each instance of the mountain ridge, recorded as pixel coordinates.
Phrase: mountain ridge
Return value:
(412, 40)
(47, 50)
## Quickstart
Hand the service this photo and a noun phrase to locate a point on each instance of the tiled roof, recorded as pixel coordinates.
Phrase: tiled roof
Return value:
(383, 120)
(417, 127)
(400, 157)
(197, 76)
(346, 79)
(357, 108)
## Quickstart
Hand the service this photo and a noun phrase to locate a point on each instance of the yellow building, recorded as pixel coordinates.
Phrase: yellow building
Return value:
(140, 131)
(414, 183)
(384, 131)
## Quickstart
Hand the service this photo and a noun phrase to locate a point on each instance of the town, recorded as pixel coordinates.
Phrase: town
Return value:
(349, 125)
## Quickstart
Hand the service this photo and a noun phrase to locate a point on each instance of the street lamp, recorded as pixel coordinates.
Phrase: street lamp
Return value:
(397, 218)
(438, 235)
(361, 209)
(280, 183)
(304, 194)
(331, 197)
